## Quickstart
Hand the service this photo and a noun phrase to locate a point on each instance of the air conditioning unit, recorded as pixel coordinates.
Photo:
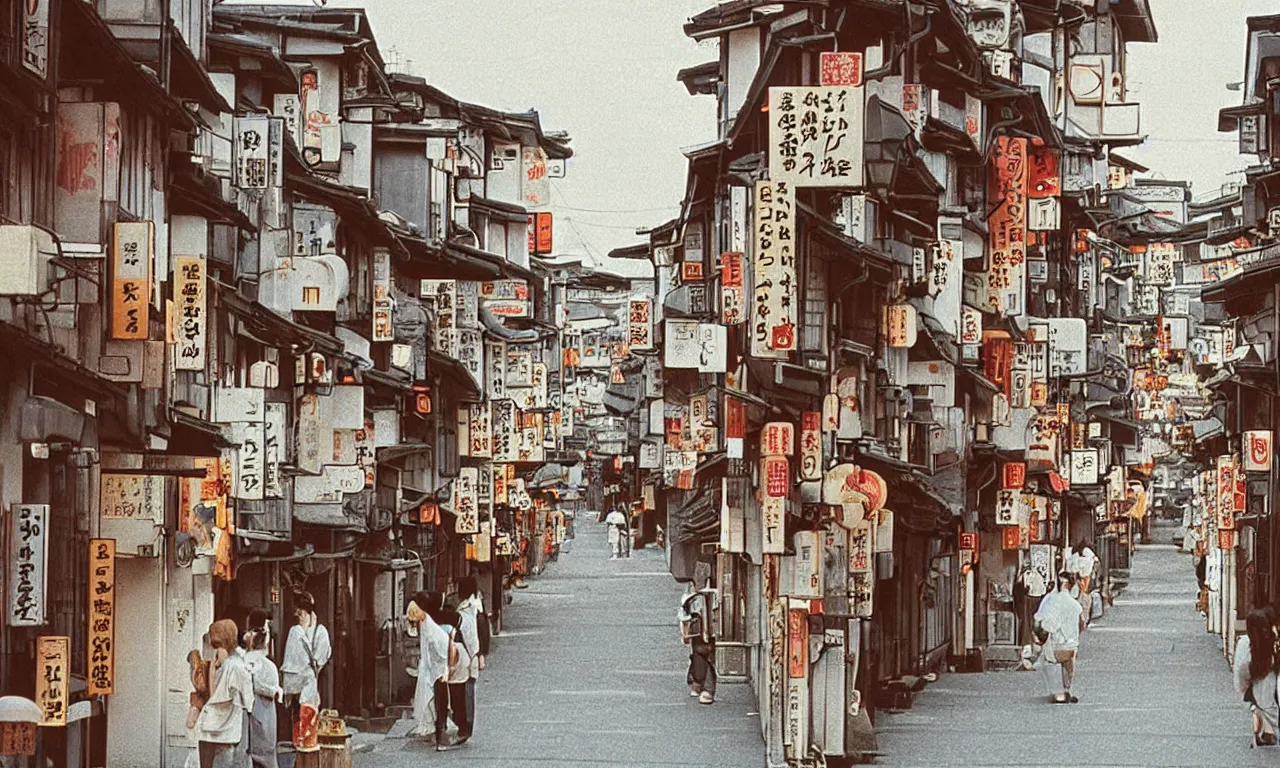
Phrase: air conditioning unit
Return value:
(25, 252)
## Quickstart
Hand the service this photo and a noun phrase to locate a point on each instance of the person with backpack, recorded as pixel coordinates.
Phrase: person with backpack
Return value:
(451, 692)
(306, 652)
(475, 635)
(1255, 673)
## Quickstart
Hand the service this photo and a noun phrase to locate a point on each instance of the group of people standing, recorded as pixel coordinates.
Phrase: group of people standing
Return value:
(452, 643)
(237, 689)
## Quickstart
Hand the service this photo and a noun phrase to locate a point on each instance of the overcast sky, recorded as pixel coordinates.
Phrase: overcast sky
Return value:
(604, 70)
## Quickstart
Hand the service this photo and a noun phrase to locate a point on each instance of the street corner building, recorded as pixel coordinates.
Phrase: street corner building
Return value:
(903, 317)
(277, 320)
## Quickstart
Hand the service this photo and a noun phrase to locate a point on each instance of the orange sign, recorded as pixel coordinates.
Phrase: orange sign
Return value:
(968, 541)
(131, 279)
(691, 272)
(778, 439)
(53, 668)
(797, 642)
(102, 616)
(18, 739)
(540, 233)
(1013, 474)
(840, 68)
(1012, 537)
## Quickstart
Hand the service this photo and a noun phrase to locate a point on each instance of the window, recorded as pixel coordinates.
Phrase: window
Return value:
(814, 333)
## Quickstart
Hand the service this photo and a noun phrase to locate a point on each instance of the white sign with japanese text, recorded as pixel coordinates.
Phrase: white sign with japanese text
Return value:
(815, 135)
(773, 312)
(28, 564)
(190, 326)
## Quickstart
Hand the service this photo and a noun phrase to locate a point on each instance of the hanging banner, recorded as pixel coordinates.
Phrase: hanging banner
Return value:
(53, 674)
(131, 256)
(816, 135)
(775, 474)
(27, 572)
(102, 617)
(1007, 225)
(778, 439)
(541, 230)
(35, 36)
(773, 315)
(1013, 474)
(900, 328)
(1257, 450)
(466, 506)
(861, 576)
(480, 429)
(251, 149)
(732, 290)
(811, 446)
(383, 308)
(640, 324)
(537, 183)
(191, 326)
(840, 68)
(1226, 487)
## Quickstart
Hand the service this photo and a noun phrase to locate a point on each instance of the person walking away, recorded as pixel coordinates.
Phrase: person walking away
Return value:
(1061, 617)
(222, 729)
(306, 652)
(451, 694)
(433, 663)
(1255, 674)
(616, 521)
(1082, 562)
(266, 691)
(695, 631)
(471, 613)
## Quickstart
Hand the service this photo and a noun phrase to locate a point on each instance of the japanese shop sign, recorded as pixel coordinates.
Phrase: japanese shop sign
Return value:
(35, 36)
(480, 429)
(732, 291)
(102, 616)
(505, 298)
(1007, 506)
(690, 344)
(900, 327)
(505, 420)
(840, 68)
(537, 183)
(53, 662)
(441, 297)
(466, 505)
(1257, 450)
(774, 308)
(815, 135)
(1084, 467)
(252, 142)
(274, 437)
(28, 564)
(1043, 188)
(131, 286)
(17, 739)
(777, 439)
(810, 446)
(250, 462)
(735, 429)
(1007, 225)
(1013, 474)
(775, 478)
(191, 325)
(383, 308)
(692, 272)
(640, 324)
(541, 230)
(132, 497)
(797, 641)
(1226, 488)
(861, 578)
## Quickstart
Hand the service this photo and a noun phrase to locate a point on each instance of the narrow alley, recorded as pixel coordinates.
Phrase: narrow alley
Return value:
(589, 671)
(1154, 690)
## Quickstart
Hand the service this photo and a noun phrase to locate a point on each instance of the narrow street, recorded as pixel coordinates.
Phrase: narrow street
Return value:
(1154, 690)
(589, 671)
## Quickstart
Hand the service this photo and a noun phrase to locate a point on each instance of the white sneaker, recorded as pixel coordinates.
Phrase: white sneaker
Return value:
(706, 698)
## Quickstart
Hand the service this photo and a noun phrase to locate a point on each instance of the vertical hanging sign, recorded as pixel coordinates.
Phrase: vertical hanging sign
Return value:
(35, 36)
(382, 306)
(191, 329)
(732, 295)
(640, 324)
(102, 616)
(1007, 274)
(131, 284)
(466, 503)
(28, 564)
(53, 661)
(773, 312)
(811, 446)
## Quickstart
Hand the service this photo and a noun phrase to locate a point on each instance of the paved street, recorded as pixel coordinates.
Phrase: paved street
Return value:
(1154, 690)
(589, 671)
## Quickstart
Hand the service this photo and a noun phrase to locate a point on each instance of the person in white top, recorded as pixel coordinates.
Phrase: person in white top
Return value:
(306, 652)
(471, 611)
(1082, 562)
(222, 729)
(451, 694)
(266, 691)
(433, 664)
(1061, 619)
(618, 525)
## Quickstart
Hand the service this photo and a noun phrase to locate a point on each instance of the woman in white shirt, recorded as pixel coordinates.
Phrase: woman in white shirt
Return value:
(454, 690)
(1082, 564)
(433, 665)
(223, 726)
(266, 691)
(306, 653)
(1255, 674)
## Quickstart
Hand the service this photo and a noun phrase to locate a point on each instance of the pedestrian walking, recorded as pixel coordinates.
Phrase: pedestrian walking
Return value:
(617, 522)
(695, 631)
(433, 665)
(222, 729)
(1060, 620)
(1255, 674)
(266, 690)
(306, 652)
(475, 630)
(451, 693)
(1081, 564)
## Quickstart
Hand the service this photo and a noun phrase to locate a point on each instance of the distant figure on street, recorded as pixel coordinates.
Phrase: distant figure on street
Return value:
(1060, 620)
(695, 631)
(1081, 563)
(1255, 673)
(617, 522)
(451, 694)
(1202, 597)
(433, 664)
